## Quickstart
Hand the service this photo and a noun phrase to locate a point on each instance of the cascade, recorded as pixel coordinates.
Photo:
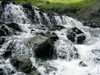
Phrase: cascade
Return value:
(72, 57)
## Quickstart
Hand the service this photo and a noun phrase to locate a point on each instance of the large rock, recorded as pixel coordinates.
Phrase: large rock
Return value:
(28, 6)
(2, 32)
(1, 71)
(23, 63)
(4, 28)
(76, 35)
(5, 2)
(43, 47)
(8, 52)
(90, 15)
(2, 40)
(14, 26)
(9, 29)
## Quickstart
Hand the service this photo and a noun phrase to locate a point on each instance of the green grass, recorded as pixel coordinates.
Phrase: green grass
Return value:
(61, 5)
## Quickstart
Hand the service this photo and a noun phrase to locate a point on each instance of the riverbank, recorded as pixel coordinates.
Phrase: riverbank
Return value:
(59, 5)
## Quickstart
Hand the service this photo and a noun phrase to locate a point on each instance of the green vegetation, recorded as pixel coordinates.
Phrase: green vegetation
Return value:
(61, 5)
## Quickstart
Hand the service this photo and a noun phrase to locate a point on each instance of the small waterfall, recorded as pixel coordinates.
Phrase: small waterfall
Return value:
(47, 18)
(72, 58)
(38, 16)
(14, 13)
(58, 20)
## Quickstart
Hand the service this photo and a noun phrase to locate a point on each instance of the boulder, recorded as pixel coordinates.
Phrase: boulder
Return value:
(76, 35)
(43, 47)
(4, 3)
(2, 40)
(14, 26)
(81, 63)
(27, 5)
(2, 32)
(1, 71)
(23, 63)
(45, 50)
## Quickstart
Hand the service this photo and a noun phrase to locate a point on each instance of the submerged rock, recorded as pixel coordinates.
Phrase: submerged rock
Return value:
(76, 35)
(23, 63)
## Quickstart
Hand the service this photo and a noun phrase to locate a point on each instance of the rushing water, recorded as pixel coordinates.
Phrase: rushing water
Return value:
(89, 51)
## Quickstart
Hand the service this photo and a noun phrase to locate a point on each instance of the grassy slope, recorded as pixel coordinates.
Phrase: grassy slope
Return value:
(61, 5)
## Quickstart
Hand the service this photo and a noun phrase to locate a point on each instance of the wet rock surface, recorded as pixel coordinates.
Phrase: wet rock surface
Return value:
(2, 33)
(81, 63)
(23, 63)
(1, 71)
(14, 26)
(76, 35)
(9, 29)
(2, 40)
(43, 47)
(56, 27)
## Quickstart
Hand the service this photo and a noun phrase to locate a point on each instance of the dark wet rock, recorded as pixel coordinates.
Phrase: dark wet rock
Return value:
(2, 40)
(82, 64)
(23, 63)
(43, 46)
(9, 29)
(6, 30)
(56, 27)
(45, 50)
(14, 26)
(1, 71)
(71, 36)
(53, 36)
(91, 16)
(27, 5)
(4, 3)
(2, 32)
(0, 10)
(76, 35)
(81, 38)
(7, 54)
(8, 51)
